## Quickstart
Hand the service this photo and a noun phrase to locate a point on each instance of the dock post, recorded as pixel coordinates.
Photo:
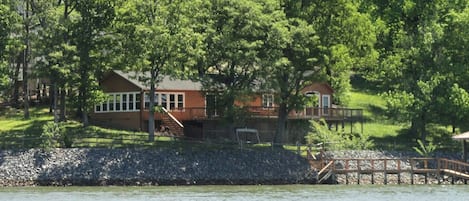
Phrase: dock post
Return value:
(384, 172)
(346, 171)
(346, 178)
(358, 172)
(372, 171)
(438, 171)
(398, 171)
(411, 171)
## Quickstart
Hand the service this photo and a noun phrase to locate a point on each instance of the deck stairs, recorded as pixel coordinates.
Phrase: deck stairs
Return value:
(325, 173)
(174, 126)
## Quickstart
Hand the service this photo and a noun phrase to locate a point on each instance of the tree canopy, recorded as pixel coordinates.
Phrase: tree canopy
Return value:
(415, 52)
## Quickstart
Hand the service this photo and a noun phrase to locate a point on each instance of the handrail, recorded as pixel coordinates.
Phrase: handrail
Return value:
(326, 167)
(350, 114)
(172, 117)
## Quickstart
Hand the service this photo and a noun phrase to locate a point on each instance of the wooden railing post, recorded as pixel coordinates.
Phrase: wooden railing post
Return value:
(385, 173)
(358, 172)
(412, 163)
(398, 171)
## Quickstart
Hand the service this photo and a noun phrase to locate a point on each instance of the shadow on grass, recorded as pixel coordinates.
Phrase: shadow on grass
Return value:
(29, 137)
(361, 84)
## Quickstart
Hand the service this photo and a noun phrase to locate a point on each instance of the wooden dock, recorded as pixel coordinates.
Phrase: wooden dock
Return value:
(434, 167)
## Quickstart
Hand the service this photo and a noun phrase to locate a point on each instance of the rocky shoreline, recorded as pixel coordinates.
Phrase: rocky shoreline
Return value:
(90, 167)
(98, 167)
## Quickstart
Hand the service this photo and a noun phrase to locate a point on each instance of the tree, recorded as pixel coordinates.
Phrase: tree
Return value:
(9, 43)
(95, 16)
(237, 43)
(57, 54)
(416, 63)
(320, 40)
(347, 36)
(295, 65)
(159, 38)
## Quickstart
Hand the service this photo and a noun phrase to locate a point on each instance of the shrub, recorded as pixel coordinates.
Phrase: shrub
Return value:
(320, 133)
(53, 135)
(425, 150)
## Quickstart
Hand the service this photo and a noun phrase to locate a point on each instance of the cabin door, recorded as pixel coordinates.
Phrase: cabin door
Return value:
(211, 105)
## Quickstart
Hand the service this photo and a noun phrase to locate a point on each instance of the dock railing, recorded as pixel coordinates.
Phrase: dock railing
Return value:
(397, 166)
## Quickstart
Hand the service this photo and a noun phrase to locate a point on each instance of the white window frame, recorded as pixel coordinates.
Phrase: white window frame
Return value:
(159, 101)
(268, 101)
(113, 96)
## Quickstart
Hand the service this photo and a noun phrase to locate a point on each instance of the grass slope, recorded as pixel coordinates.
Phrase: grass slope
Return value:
(388, 134)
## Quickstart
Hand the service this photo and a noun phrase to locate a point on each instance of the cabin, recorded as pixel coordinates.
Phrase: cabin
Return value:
(186, 110)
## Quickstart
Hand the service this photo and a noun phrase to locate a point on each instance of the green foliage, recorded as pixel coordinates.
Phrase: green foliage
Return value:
(425, 150)
(53, 136)
(335, 140)
(9, 43)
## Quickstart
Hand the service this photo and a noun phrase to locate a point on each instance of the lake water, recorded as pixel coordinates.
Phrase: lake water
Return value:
(271, 193)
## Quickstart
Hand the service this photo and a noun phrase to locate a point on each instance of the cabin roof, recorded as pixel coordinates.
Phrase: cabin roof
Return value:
(167, 83)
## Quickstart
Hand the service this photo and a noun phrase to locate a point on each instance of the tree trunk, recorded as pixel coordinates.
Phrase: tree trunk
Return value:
(63, 94)
(281, 124)
(25, 88)
(56, 119)
(151, 109)
(25, 64)
(16, 89)
(84, 98)
(423, 129)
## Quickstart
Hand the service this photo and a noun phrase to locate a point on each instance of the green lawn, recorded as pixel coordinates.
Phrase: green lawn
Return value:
(386, 133)
(17, 133)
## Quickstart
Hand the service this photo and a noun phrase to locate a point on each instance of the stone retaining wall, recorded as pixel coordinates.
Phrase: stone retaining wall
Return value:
(151, 167)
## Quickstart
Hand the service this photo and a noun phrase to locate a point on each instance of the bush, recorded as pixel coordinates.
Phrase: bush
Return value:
(53, 136)
(320, 133)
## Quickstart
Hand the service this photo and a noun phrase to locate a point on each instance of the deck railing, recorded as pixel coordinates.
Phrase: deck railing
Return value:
(338, 114)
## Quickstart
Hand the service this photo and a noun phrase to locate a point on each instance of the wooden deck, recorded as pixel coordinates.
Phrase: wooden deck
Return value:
(436, 167)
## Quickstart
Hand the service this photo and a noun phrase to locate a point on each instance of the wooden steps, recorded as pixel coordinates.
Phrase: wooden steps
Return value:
(174, 127)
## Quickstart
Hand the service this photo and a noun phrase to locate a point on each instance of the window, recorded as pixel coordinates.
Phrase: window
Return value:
(172, 101)
(211, 105)
(169, 101)
(111, 102)
(180, 101)
(105, 106)
(157, 99)
(326, 104)
(131, 102)
(267, 100)
(117, 102)
(124, 102)
(163, 101)
(147, 101)
(137, 101)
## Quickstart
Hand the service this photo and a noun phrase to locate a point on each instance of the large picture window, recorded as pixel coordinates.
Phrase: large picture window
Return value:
(120, 102)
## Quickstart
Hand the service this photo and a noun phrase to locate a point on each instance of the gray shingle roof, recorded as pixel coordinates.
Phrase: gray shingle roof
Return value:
(167, 83)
